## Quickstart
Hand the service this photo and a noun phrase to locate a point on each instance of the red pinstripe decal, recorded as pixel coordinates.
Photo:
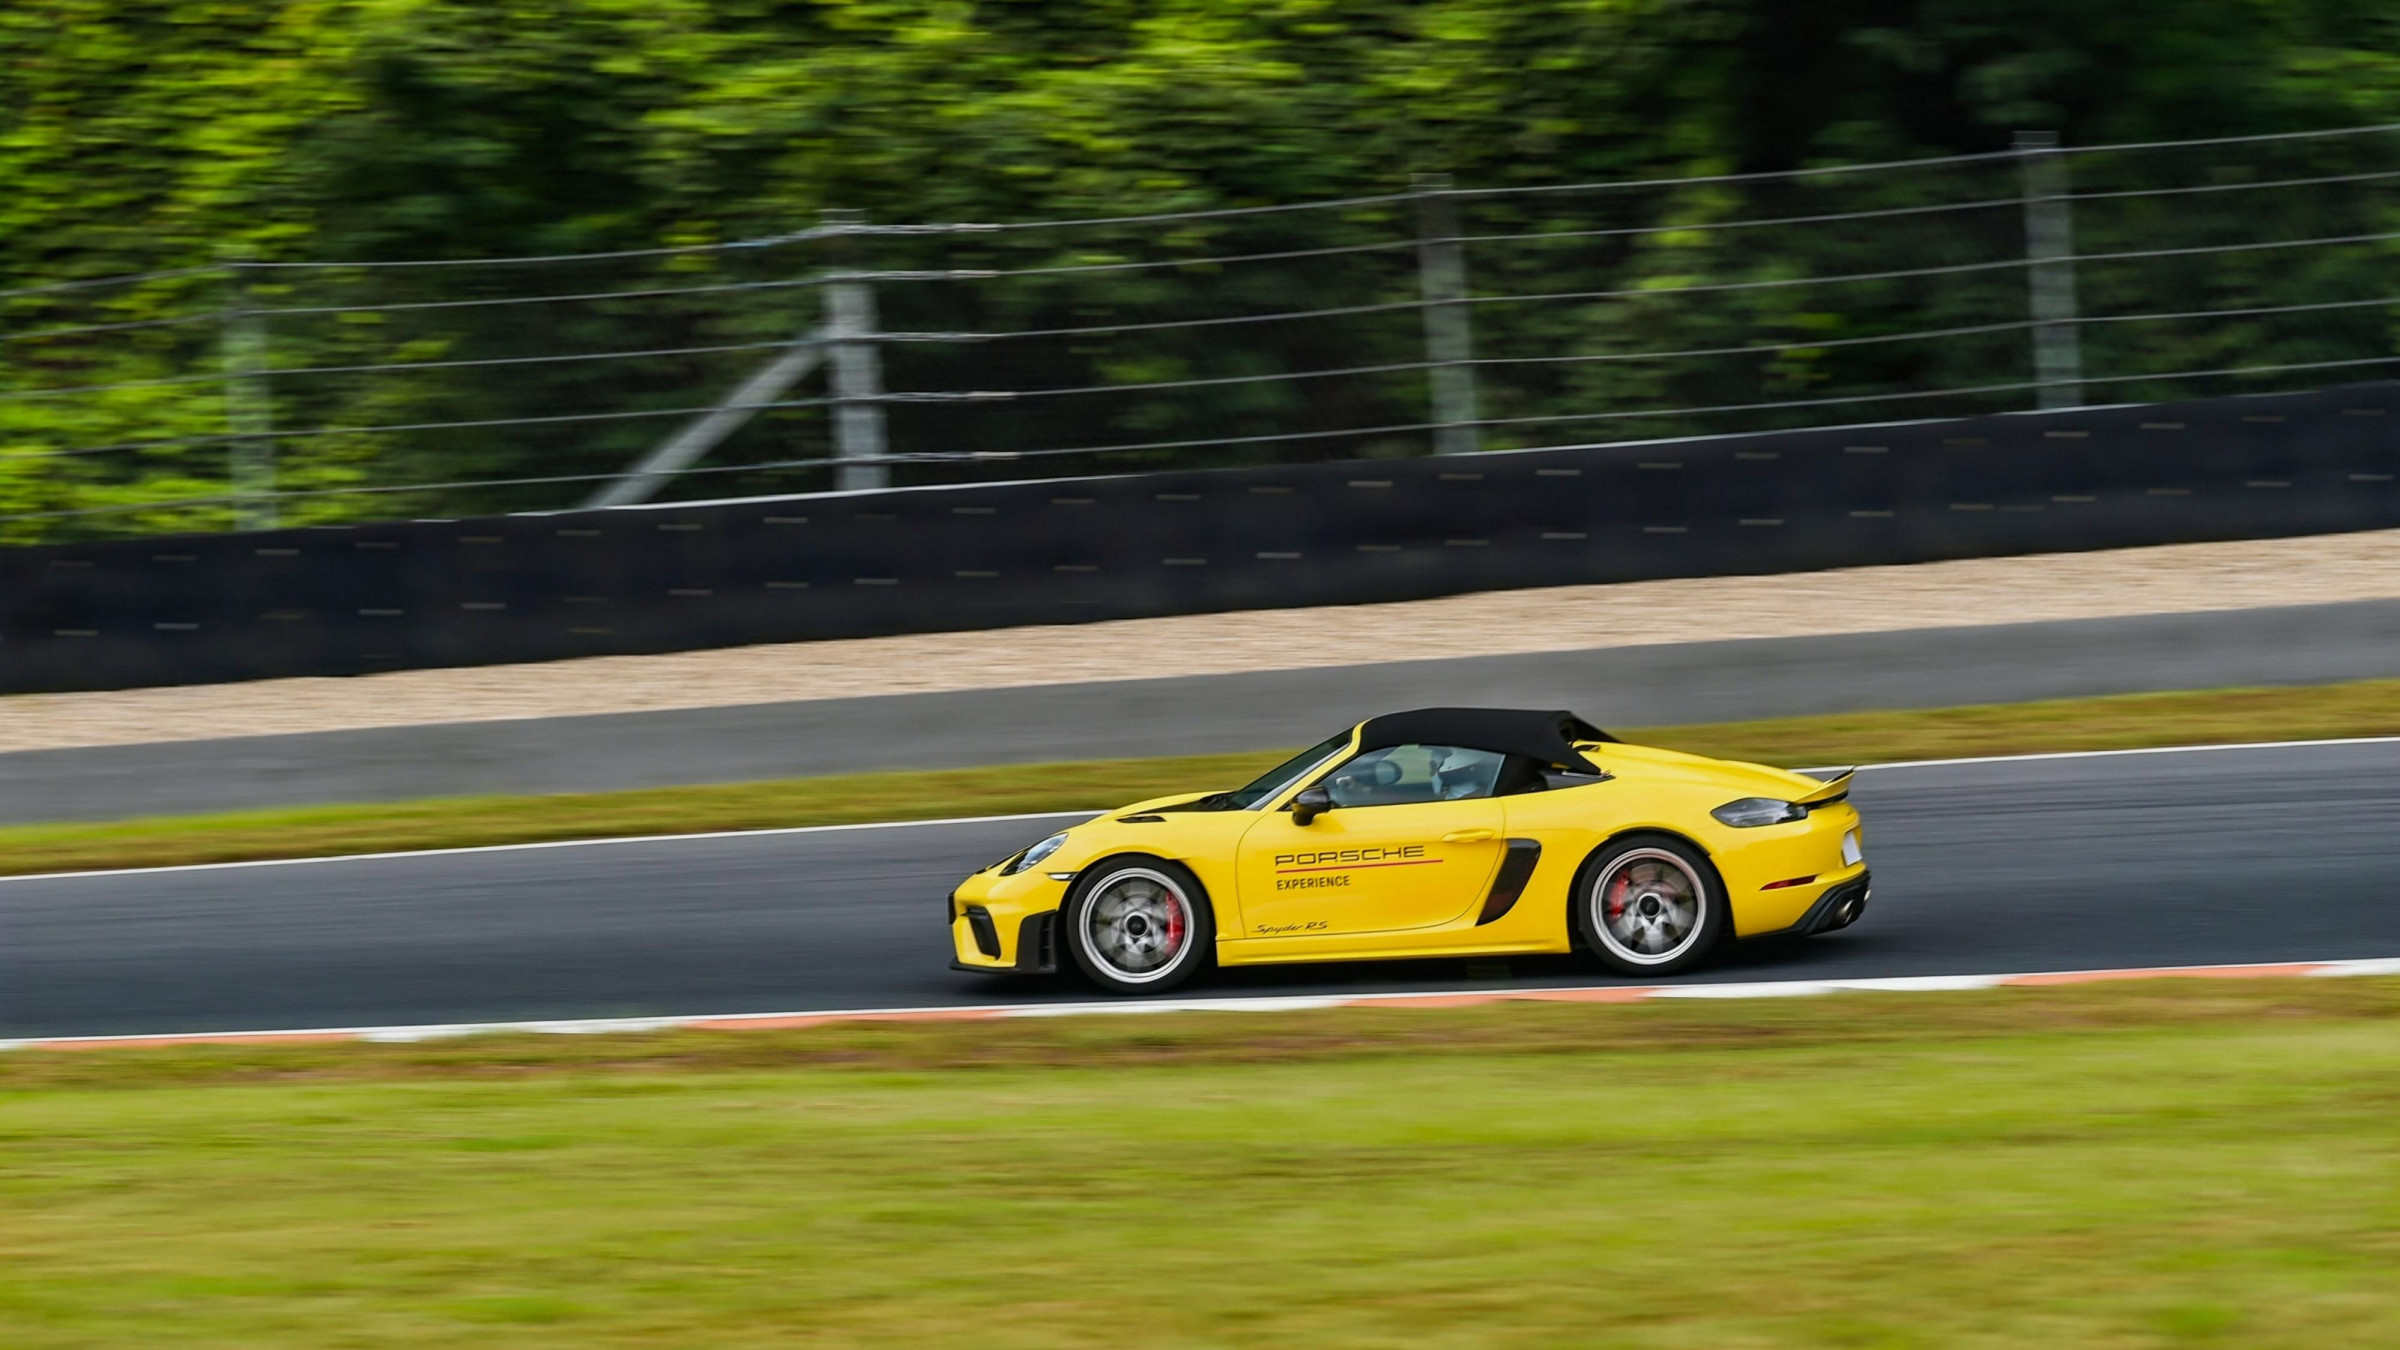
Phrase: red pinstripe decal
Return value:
(1360, 867)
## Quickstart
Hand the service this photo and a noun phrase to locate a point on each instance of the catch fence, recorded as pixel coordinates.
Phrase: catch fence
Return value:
(352, 599)
(1443, 318)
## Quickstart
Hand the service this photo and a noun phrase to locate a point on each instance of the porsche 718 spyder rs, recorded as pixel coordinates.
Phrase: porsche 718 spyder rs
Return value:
(1440, 832)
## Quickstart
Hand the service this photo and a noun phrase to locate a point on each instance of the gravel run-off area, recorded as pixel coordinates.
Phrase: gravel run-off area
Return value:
(2181, 578)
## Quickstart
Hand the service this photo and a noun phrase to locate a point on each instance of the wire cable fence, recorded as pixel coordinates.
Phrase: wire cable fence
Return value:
(1437, 320)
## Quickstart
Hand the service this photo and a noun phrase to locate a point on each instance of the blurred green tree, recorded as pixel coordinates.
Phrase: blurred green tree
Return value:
(142, 136)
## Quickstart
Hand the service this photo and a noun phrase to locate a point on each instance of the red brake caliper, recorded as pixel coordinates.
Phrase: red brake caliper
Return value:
(1175, 925)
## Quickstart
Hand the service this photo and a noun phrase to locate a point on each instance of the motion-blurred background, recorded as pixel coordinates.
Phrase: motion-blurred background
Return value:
(751, 463)
(299, 263)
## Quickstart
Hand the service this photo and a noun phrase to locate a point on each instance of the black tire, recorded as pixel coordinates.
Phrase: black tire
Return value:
(1135, 924)
(1669, 905)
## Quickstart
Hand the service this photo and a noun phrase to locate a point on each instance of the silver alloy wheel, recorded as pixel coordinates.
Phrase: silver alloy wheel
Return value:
(1137, 925)
(1649, 907)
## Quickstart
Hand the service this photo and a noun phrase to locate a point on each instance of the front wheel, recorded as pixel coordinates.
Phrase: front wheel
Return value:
(1652, 906)
(1138, 925)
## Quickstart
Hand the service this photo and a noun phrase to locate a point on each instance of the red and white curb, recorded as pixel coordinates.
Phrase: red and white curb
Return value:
(1447, 998)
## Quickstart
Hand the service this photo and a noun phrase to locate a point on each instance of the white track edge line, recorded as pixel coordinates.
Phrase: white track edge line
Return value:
(1265, 1003)
(1053, 815)
(2133, 750)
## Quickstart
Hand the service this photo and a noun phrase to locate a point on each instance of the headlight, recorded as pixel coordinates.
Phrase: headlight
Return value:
(1750, 811)
(1032, 857)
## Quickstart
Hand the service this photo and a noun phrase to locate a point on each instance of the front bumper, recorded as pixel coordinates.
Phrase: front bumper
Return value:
(1036, 948)
(1001, 925)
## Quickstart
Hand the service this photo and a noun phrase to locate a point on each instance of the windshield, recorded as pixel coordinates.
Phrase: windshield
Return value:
(1274, 780)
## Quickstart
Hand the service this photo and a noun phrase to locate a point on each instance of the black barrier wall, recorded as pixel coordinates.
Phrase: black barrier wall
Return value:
(349, 600)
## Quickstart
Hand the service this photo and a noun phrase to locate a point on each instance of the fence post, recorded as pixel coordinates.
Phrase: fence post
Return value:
(770, 382)
(1449, 336)
(857, 370)
(249, 407)
(2050, 271)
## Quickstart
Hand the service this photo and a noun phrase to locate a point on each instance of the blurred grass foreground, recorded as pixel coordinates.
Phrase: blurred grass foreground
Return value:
(2177, 1162)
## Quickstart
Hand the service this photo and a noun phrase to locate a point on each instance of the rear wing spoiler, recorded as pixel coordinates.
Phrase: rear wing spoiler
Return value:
(1835, 788)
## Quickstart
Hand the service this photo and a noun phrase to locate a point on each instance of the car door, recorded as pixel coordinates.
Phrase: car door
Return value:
(1411, 842)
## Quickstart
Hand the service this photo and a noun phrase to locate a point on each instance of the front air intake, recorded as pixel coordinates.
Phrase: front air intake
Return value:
(987, 937)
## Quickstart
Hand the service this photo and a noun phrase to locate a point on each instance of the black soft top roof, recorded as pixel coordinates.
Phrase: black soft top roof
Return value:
(1546, 737)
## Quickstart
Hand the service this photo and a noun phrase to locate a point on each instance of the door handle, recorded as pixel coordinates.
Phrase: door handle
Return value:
(1467, 836)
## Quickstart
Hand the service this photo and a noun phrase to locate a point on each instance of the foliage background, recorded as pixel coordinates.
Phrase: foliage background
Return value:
(161, 135)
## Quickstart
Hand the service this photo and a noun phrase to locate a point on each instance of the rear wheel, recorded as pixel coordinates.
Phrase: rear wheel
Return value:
(1138, 925)
(1651, 905)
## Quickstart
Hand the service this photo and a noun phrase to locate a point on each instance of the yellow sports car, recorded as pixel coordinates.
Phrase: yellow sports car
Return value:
(1440, 832)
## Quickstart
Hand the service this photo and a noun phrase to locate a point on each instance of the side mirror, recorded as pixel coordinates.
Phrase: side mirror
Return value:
(1310, 804)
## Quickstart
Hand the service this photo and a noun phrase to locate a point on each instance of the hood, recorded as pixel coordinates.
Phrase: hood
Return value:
(1157, 803)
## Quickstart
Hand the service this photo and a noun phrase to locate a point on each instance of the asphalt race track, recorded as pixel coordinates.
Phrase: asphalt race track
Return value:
(2273, 853)
(1203, 714)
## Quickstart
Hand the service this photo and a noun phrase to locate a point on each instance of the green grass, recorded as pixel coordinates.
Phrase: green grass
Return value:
(2176, 1163)
(2365, 708)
